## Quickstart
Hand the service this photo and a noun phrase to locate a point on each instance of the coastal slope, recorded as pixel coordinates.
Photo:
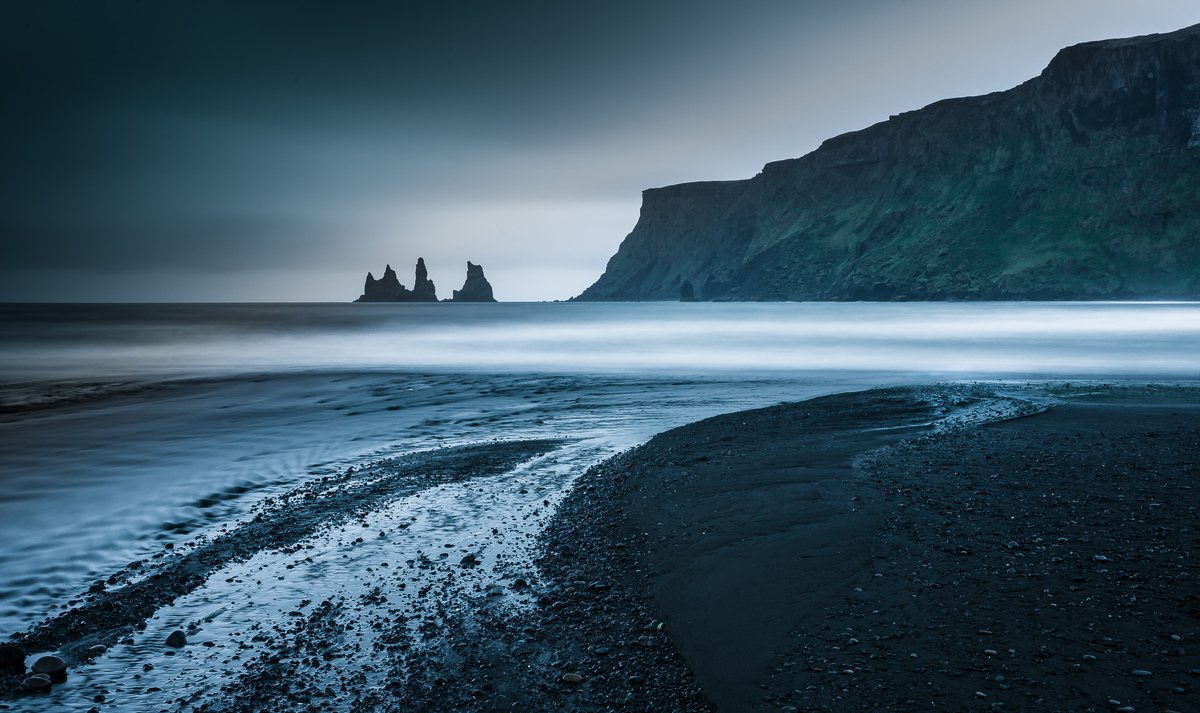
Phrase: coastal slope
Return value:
(1078, 184)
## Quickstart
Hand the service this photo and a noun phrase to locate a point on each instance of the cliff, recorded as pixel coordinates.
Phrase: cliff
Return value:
(476, 288)
(1081, 183)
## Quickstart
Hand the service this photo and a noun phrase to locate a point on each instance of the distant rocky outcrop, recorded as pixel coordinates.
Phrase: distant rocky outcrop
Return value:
(423, 289)
(1081, 183)
(385, 289)
(389, 289)
(476, 288)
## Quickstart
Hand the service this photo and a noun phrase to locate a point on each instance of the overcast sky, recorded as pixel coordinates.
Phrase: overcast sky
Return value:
(245, 151)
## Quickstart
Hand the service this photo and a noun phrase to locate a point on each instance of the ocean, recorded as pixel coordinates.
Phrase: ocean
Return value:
(125, 428)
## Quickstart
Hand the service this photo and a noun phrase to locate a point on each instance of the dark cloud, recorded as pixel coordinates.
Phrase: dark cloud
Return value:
(234, 136)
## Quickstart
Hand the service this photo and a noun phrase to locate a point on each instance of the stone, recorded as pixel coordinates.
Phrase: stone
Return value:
(1141, 672)
(476, 288)
(469, 561)
(177, 639)
(572, 678)
(52, 666)
(12, 659)
(37, 684)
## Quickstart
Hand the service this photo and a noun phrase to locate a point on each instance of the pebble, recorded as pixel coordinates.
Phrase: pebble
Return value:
(177, 639)
(572, 678)
(37, 683)
(468, 560)
(52, 666)
(1089, 657)
(980, 694)
(97, 650)
(990, 652)
(1141, 672)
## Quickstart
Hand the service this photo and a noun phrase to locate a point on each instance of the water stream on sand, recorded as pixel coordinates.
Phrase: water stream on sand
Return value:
(196, 458)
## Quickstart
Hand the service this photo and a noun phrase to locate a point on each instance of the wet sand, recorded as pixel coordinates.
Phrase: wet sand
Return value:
(832, 555)
(934, 548)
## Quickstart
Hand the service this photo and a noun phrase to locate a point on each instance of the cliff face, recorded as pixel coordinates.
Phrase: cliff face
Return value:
(1082, 183)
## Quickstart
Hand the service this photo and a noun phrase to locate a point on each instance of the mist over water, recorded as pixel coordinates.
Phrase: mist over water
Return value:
(1055, 338)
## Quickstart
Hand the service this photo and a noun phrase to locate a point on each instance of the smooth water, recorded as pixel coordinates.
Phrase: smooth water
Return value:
(117, 341)
(126, 427)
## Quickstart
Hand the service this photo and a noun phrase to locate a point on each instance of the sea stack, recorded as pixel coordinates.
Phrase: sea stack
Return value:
(389, 289)
(423, 289)
(385, 289)
(476, 288)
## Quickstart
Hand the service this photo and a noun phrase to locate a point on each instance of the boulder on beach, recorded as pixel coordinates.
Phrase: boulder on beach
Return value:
(177, 639)
(54, 667)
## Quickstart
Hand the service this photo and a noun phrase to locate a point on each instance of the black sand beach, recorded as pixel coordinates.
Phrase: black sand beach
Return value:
(829, 555)
(936, 548)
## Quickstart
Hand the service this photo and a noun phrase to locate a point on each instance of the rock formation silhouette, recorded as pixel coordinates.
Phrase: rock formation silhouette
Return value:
(476, 288)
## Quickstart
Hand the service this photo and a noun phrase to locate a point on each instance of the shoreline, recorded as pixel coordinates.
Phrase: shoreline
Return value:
(731, 564)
